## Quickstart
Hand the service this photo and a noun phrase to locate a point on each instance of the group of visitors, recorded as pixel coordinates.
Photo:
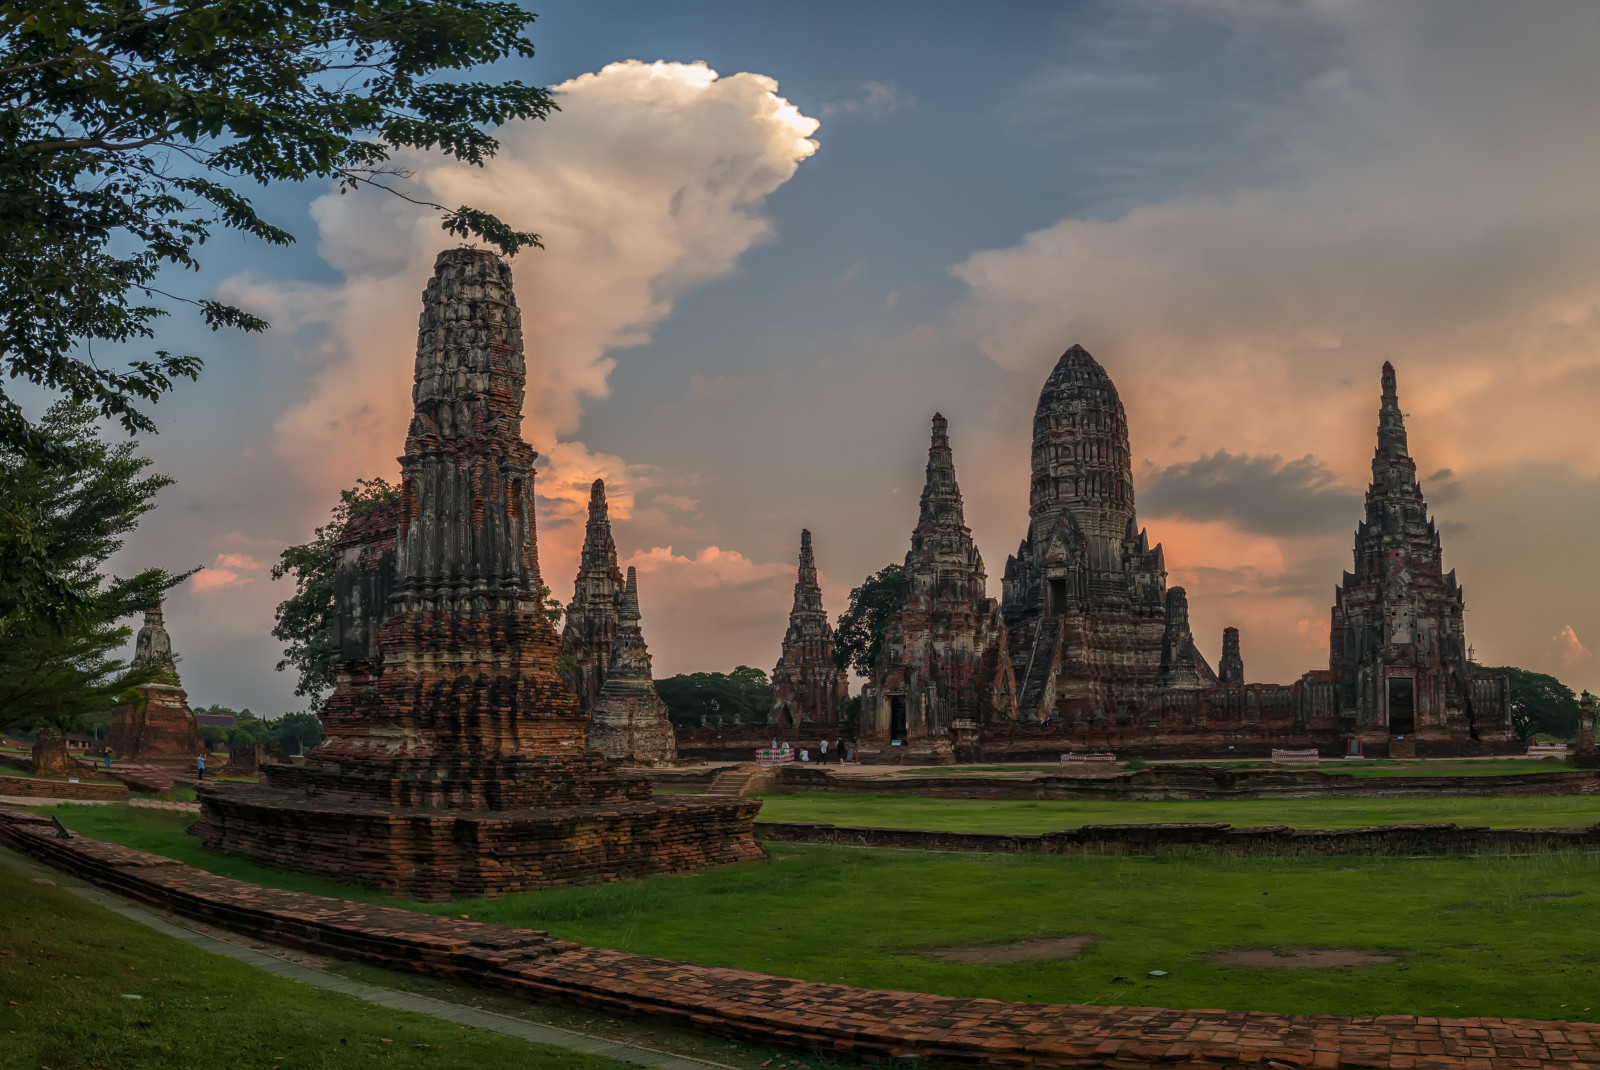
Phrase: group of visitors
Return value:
(831, 750)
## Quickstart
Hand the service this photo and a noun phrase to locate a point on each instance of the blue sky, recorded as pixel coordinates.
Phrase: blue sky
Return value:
(1241, 208)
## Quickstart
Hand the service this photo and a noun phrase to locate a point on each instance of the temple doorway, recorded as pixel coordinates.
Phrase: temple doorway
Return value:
(1402, 706)
(897, 718)
(1058, 596)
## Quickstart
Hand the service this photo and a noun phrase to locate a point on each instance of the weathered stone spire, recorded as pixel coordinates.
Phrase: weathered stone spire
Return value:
(466, 539)
(1230, 669)
(1179, 666)
(630, 719)
(591, 625)
(1394, 473)
(807, 687)
(1082, 463)
(153, 645)
(941, 539)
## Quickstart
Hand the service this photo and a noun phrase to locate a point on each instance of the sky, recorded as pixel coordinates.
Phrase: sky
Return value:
(777, 240)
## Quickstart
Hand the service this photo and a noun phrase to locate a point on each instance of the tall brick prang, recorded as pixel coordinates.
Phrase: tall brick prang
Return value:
(1397, 645)
(158, 725)
(455, 759)
(590, 630)
(629, 721)
(808, 687)
(942, 668)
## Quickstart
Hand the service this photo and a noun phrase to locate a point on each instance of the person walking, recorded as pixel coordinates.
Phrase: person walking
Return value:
(200, 766)
(822, 752)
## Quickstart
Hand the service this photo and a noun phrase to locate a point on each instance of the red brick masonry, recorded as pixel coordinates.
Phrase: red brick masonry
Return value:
(40, 788)
(852, 1022)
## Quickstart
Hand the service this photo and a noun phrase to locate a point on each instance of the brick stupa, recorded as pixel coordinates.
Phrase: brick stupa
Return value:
(159, 725)
(455, 761)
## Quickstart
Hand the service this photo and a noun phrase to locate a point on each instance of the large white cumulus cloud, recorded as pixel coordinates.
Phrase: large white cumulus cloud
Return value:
(649, 181)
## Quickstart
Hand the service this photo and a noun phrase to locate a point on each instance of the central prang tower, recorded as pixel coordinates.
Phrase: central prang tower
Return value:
(1085, 596)
(455, 760)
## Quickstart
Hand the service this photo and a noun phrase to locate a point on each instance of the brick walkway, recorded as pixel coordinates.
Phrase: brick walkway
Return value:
(847, 1021)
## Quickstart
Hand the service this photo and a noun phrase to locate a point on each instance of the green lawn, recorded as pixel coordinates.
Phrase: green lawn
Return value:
(1482, 935)
(1370, 767)
(66, 966)
(1048, 815)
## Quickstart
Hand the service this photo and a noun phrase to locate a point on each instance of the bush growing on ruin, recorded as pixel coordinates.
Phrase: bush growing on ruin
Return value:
(304, 620)
(858, 636)
(78, 499)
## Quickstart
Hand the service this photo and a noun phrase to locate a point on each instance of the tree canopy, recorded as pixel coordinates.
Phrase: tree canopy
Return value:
(743, 696)
(1541, 703)
(858, 636)
(130, 128)
(77, 500)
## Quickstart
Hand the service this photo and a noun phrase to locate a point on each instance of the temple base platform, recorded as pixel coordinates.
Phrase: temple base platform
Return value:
(435, 854)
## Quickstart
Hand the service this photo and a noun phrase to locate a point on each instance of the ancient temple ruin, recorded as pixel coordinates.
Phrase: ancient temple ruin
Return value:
(1084, 597)
(629, 721)
(942, 672)
(590, 631)
(808, 687)
(1397, 645)
(455, 760)
(158, 726)
(1098, 653)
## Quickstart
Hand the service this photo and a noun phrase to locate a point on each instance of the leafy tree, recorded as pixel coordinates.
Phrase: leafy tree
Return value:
(743, 696)
(128, 127)
(80, 497)
(297, 733)
(304, 620)
(1541, 703)
(858, 636)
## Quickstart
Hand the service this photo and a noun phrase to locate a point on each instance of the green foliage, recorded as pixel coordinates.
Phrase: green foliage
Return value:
(297, 733)
(128, 129)
(1541, 703)
(858, 636)
(304, 620)
(79, 498)
(743, 696)
(1480, 935)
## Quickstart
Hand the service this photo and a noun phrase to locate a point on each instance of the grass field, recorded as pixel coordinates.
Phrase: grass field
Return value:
(67, 966)
(1371, 767)
(1483, 935)
(1048, 815)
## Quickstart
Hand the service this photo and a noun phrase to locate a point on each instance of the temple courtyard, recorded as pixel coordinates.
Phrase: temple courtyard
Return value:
(1498, 934)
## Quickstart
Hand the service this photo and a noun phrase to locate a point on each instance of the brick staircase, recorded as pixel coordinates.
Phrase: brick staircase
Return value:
(746, 778)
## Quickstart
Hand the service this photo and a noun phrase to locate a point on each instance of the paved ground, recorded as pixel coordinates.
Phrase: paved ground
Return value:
(840, 1019)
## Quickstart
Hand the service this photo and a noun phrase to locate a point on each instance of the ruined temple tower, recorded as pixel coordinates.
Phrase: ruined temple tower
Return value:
(1085, 596)
(942, 672)
(629, 721)
(591, 622)
(1397, 648)
(807, 687)
(455, 760)
(158, 725)
(1230, 667)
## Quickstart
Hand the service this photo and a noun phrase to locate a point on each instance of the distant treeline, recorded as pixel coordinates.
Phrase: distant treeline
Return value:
(743, 696)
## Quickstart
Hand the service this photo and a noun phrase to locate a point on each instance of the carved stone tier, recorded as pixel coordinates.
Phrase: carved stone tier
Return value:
(455, 760)
(630, 720)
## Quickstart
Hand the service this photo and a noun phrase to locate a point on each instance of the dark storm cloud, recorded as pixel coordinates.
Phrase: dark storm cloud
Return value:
(1264, 495)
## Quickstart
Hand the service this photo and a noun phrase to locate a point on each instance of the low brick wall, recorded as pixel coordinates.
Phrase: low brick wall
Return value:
(840, 1020)
(39, 788)
(1275, 840)
(1177, 783)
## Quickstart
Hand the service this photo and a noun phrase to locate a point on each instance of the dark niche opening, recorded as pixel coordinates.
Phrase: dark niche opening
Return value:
(897, 717)
(1402, 706)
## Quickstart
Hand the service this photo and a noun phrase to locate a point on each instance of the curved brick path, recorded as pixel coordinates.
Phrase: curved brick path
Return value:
(848, 1021)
